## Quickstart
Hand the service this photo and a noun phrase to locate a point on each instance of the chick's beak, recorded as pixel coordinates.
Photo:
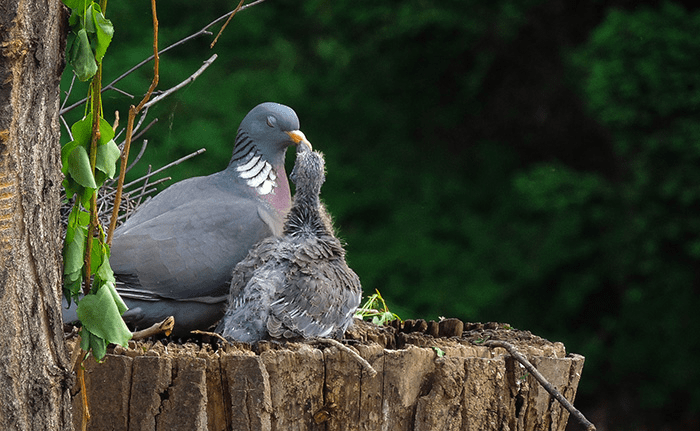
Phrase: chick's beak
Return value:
(298, 138)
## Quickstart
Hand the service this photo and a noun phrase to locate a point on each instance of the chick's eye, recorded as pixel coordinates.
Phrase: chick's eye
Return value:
(271, 121)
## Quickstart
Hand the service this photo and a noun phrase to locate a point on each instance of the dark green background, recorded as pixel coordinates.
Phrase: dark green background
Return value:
(531, 162)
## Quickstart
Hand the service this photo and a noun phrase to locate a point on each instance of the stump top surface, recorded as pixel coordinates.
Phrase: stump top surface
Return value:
(451, 336)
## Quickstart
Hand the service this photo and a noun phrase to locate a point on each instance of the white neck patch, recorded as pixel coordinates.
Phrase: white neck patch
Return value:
(258, 174)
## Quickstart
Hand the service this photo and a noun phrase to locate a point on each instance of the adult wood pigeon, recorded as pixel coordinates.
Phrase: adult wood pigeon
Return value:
(175, 254)
(297, 285)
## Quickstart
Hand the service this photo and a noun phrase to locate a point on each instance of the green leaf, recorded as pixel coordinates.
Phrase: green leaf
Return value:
(71, 287)
(88, 341)
(89, 19)
(96, 256)
(82, 131)
(121, 306)
(79, 167)
(65, 151)
(100, 314)
(82, 57)
(86, 196)
(74, 249)
(107, 156)
(78, 6)
(104, 31)
(85, 339)
(440, 353)
(105, 273)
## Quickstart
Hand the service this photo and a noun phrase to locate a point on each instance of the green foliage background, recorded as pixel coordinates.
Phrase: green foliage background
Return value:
(532, 162)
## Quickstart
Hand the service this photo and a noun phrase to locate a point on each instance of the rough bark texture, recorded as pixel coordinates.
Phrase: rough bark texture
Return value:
(299, 386)
(33, 359)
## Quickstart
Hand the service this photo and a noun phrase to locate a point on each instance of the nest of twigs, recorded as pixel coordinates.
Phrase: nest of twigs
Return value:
(134, 193)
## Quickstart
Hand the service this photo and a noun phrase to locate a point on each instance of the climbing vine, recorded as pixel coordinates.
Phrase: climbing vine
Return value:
(89, 159)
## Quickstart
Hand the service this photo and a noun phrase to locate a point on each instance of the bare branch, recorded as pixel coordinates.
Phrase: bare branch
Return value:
(141, 151)
(164, 327)
(202, 32)
(138, 125)
(70, 89)
(171, 164)
(192, 77)
(70, 134)
(545, 384)
(133, 110)
(130, 96)
(362, 361)
(226, 23)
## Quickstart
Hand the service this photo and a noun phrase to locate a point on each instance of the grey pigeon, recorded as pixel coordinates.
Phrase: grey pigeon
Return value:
(297, 285)
(175, 254)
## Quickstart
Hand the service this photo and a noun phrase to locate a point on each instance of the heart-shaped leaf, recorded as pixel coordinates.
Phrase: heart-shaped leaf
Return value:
(79, 167)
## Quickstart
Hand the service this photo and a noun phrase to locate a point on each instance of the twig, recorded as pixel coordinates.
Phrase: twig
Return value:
(141, 151)
(141, 132)
(133, 110)
(116, 121)
(164, 327)
(540, 378)
(211, 334)
(191, 78)
(70, 90)
(171, 164)
(83, 392)
(138, 124)
(70, 134)
(226, 23)
(129, 95)
(145, 185)
(182, 41)
(370, 370)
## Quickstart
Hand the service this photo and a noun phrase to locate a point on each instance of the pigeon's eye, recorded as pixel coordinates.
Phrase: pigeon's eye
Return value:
(271, 121)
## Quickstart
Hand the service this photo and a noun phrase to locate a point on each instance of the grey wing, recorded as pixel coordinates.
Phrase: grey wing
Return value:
(188, 251)
(247, 314)
(319, 300)
(243, 272)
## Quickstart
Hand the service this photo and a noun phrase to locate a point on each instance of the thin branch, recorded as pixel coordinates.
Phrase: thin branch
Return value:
(363, 362)
(70, 90)
(140, 154)
(138, 135)
(138, 125)
(226, 23)
(211, 334)
(164, 327)
(130, 127)
(65, 123)
(176, 162)
(191, 78)
(540, 378)
(96, 103)
(182, 41)
(130, 96)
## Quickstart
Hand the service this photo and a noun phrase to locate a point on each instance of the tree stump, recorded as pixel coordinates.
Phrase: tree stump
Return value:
(306, 386)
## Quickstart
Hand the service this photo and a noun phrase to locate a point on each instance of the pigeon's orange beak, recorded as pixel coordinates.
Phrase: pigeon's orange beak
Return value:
(299, 138)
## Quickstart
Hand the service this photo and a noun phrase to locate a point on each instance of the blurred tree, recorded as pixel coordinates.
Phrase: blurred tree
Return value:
(641, 83)
(486, 160)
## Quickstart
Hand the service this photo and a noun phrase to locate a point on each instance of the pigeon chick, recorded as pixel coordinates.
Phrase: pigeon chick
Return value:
(175, 254)
(297, 285)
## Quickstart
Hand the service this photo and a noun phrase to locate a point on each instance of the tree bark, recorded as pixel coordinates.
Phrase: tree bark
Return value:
(34, 365)
(280, 386)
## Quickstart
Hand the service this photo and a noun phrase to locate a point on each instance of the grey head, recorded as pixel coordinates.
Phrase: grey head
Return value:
(258, 155)
(309, 171)
(271, 127)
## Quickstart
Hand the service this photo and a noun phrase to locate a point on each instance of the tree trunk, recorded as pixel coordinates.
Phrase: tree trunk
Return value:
(33, 361)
